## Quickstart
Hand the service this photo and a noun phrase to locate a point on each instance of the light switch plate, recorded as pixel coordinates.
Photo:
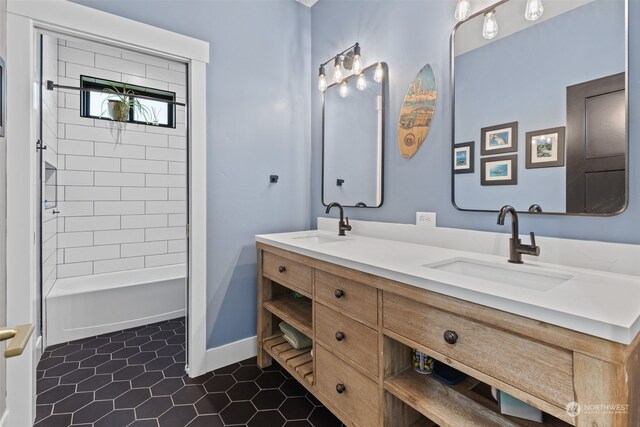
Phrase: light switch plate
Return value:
(426, 219)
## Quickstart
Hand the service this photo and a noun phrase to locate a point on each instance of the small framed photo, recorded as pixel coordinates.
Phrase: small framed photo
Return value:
(499, 139)
(463, 157)
(501, 170)
(545, 148)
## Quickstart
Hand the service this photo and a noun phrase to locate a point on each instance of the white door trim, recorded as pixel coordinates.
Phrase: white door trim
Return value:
(62, 16)
(231, 353)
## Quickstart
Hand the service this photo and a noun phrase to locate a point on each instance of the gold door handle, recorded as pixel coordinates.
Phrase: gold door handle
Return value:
(19, 337)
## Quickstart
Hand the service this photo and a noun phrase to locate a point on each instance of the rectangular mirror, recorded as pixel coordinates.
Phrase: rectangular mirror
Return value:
(540, 110)
(353, 140)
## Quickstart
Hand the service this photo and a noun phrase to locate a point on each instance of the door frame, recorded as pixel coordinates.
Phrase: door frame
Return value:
(61, 16)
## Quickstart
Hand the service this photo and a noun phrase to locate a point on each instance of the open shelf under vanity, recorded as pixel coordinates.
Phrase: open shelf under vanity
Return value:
(427, 401)
(299, 363)
(286, 304)
(296, 311)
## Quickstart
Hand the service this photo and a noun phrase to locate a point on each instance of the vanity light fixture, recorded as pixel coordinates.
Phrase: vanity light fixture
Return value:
(490, 27)
(377, 76)
(463, 10)
(533, 10)
(344, 90)
(349, 59)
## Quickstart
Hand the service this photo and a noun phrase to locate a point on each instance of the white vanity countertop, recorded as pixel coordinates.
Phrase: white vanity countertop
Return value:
(598, 303)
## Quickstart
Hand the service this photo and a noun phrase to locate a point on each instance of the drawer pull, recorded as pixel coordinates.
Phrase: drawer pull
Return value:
(340, 388)
(339, 336)
(282, 269)
(339, 293)
(451, 337)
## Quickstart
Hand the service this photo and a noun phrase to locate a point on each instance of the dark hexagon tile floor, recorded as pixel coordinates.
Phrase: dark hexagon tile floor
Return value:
(136, 378)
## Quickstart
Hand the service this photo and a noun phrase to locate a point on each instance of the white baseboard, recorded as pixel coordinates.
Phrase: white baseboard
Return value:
(4, 418)
(231, 353)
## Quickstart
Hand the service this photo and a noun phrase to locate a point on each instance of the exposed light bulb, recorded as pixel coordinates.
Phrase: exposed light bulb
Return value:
(490, 27)
(463, 10)
(344, 90)
(337, 70)
(322, 80)
(533, 10)
(357, 60)
(322, 83)
(361, 83)
(377, 76)
(357, 64)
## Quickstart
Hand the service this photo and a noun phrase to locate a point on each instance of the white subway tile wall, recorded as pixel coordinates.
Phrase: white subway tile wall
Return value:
(123, 206)
(50, 155)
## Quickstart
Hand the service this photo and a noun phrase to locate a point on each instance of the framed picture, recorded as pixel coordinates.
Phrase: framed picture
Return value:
(501, 170)
(463, 157)
(545, 148)
(3, 95)
(499, 139)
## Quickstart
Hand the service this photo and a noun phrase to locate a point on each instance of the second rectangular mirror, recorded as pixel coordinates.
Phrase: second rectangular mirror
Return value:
(540, 108)
(353, 139)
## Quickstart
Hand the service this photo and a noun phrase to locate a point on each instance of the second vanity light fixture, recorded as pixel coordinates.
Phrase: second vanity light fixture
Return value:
(349, 59)
(533, 11)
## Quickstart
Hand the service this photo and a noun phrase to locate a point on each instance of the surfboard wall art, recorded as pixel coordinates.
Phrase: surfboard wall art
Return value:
(417, 111)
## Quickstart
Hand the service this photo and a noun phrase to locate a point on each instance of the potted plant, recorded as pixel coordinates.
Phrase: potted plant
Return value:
(120, 103)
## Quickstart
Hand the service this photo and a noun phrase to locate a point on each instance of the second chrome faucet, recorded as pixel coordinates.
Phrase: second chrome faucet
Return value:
(516, 248)
(342, 225)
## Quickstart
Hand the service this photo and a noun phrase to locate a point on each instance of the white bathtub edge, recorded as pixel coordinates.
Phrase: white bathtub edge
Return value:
(99, 282)
(78, 315)
(90, 331)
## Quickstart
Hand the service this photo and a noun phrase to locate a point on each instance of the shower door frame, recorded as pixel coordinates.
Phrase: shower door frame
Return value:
(25, 19)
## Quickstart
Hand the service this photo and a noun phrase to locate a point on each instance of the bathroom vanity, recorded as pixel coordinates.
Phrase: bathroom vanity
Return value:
(366, 304)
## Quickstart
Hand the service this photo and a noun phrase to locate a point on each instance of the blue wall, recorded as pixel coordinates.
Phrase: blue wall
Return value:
(258, 110)
(537, 64)
(407, 35)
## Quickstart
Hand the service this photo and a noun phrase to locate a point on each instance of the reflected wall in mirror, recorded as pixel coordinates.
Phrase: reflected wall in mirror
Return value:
(562, 79)
(353, 139)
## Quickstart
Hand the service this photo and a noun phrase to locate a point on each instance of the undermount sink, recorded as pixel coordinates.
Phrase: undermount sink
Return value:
(322, 238)
(521, 276)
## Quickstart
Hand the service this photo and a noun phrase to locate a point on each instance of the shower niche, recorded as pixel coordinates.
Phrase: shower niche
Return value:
(50, 186)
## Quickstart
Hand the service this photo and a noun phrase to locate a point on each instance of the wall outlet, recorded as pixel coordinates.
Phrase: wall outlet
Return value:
(426, 219)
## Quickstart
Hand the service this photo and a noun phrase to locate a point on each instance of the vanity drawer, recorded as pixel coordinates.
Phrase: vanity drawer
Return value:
(349, 338)
(541, 370)
(344, 294)
(358, 398)
(287, 272)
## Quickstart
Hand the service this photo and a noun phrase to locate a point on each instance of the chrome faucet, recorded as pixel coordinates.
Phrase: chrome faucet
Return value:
(343, 225)
(516, 248)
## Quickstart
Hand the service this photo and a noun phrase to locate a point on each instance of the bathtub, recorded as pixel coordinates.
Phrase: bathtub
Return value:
(81, 307)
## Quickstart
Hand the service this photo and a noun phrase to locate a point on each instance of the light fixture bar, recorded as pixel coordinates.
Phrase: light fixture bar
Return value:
(340, 54)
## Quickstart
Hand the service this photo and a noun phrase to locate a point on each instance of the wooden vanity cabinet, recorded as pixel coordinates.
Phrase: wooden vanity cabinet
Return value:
(363, 328)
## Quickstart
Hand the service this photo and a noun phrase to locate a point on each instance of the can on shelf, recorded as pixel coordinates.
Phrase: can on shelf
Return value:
(422, 363)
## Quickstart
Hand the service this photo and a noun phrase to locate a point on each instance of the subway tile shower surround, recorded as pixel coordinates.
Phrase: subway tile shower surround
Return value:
(50, 155)
(123, 205)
